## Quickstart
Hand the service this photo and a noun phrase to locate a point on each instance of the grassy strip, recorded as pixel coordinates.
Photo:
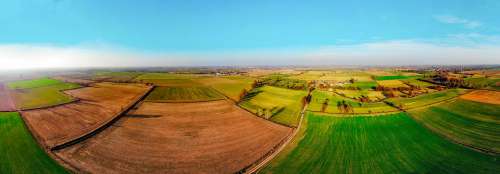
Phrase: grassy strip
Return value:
(384, 144)
(43, 96)
(19, 151)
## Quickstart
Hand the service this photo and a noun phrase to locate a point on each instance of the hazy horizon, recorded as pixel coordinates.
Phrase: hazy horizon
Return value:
(77, 34)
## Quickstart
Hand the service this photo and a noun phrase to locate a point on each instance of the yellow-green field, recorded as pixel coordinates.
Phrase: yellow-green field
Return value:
(231, 86)
(417, 83)
(281, 105)
(391, 83)
(40, 93)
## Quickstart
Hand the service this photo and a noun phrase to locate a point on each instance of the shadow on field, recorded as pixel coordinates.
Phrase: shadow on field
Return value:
(250, 95)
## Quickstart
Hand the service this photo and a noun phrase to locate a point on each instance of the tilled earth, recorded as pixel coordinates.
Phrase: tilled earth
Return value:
(204, 137)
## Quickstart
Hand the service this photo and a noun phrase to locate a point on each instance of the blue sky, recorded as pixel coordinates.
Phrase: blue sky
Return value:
(247, 28)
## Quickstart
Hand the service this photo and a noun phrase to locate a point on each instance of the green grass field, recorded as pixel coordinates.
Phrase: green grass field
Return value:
(363, 85)
(35, 83)
(19, 152)
(467, 122)
(283, 104)
(318, 97)
(426, 99)
(183, 94)
(383, 144)
(41, 93)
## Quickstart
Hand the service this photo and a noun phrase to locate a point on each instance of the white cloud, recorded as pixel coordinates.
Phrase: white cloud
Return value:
(449, 19)
(406, 52)
(397, 52)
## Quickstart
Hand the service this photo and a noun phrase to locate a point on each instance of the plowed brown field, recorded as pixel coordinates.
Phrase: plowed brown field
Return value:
(97, 104)
(205, 137)
(484, 96)
(6, 103)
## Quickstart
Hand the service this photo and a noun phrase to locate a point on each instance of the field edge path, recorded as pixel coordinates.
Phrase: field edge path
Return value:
(255, 168)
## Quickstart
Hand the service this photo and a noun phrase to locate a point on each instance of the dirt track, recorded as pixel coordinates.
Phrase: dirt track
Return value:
(99, 103)
(6, 103)
(206, 137)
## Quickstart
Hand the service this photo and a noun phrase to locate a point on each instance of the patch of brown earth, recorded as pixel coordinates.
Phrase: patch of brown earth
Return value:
(97, 105)
(205, 137)
(6, 103)
(484, 96)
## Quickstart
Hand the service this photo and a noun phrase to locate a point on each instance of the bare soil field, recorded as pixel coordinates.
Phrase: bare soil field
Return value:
(6, 103)
(97, 104)
(203, 137)
(484, 96)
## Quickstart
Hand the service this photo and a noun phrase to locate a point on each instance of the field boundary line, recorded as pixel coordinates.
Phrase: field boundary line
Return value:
(103, 125)
(275, 151)
(47, 151)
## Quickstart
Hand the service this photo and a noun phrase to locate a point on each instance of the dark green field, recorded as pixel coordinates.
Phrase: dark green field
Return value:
(363, 85)
(19, 152)
(467, 122)
(183, 94)
(383, 144)
(35, 83)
